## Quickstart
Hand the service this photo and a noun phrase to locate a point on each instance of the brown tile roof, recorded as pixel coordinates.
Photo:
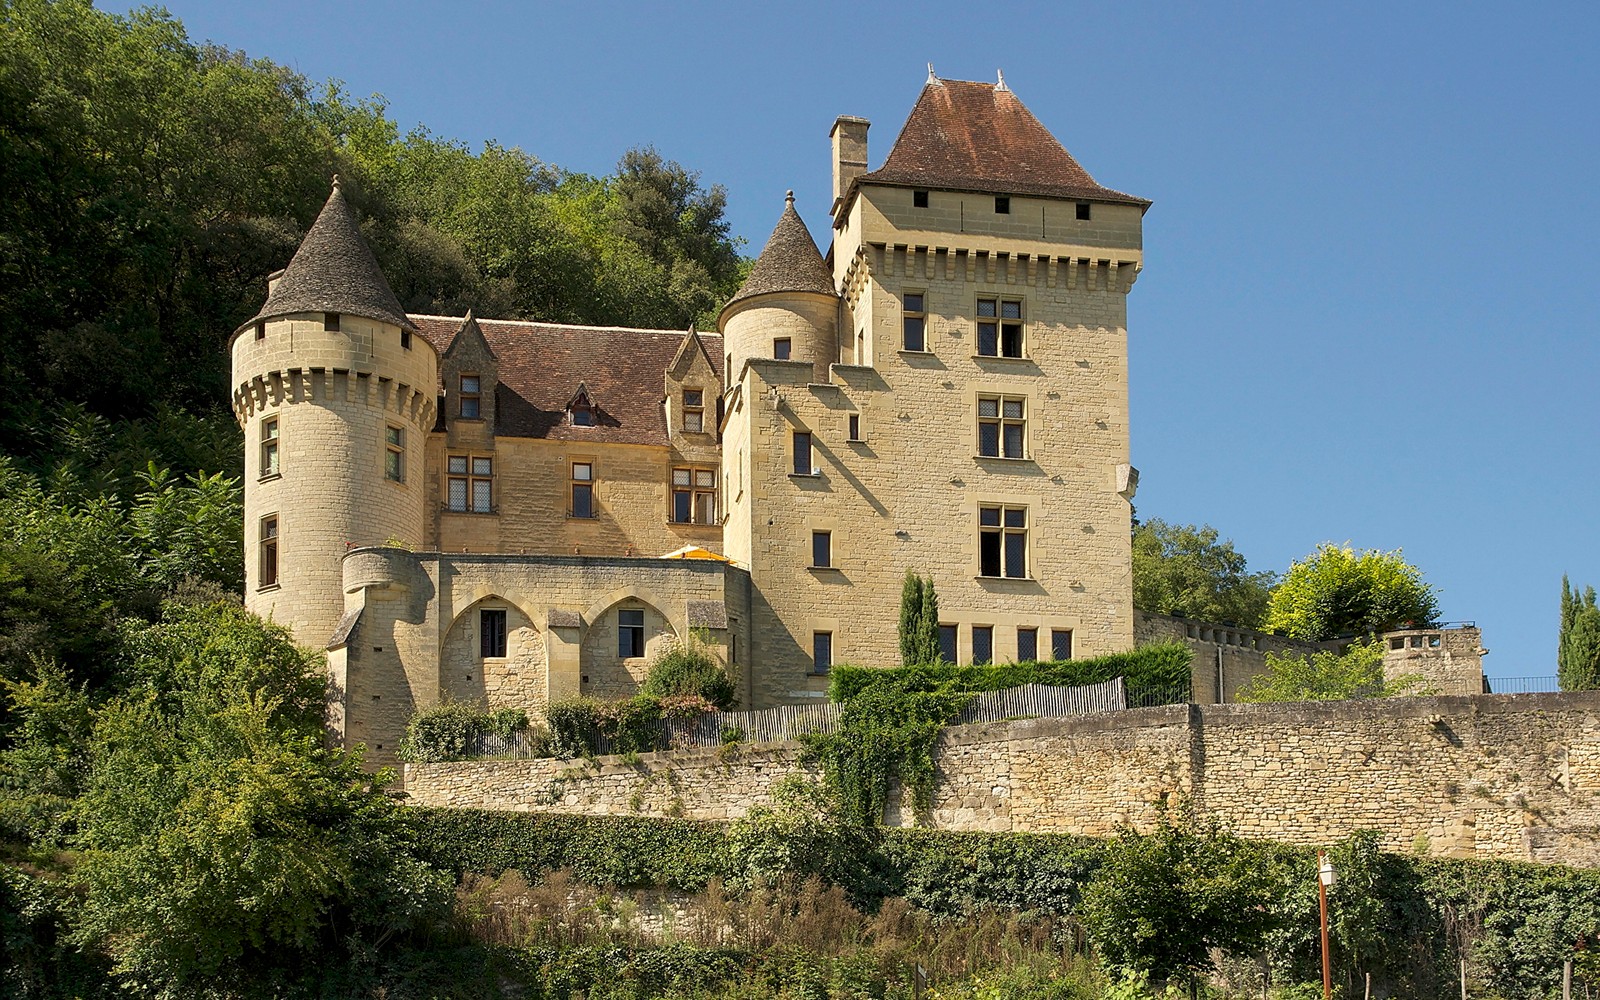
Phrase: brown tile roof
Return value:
(540, 366)
(333, 271)
(790, 261)
(979, 137)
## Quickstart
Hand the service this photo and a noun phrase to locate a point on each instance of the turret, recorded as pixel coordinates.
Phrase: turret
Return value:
(787, 307)
(336, 392)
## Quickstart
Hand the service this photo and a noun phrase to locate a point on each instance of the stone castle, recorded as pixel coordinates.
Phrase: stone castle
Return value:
(510, 513)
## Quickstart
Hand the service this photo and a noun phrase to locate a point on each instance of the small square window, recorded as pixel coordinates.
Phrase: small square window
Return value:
(919, 199)
(780, 348)
(822, 549)
(492, 632)
(821, 652)
(1002, 205)
(1083, 211)
(330, 322)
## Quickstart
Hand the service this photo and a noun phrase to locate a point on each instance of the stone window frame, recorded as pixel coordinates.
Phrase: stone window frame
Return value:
(471, 475)
(1032, 631)
(822, 549)
(694, 412)
(469, 399)
(698, 484)
(1060, 639)
(632, 632)
(1000, 325)
(1008, 524)
(806, 449)
(949, 652)
(581, 480)
(269, 545)
(988, 632)
(394, 453)
(490, 640)
(917, 316)
(852, 425)
(821, 652)
(783, 348)
(1003, 423)
(271, 448)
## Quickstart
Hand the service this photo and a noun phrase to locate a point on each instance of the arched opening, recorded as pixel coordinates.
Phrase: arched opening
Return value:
(619, 645)
(494, 656)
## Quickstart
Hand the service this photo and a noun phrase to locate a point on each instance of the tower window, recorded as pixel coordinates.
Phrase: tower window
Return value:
(469, 484)
(821, 652)
(269, 552)
(261, 329)
(919, 199)
(802, 454)
(1027, 644)
(1061, 644)
(269, 447)
(582, 489)
(630, 633)
(405, 340)
(330, 322)
(780, 348)
(694, 496)
(855, 426)
(471, 397)
(394, 456)
(982, 644)
(492, 632)
(1002, 426)
(913, 321)
(1000, 328)
(1003, 542)
(1083, 211)
(1002, 206)
(822, 549)
(694, 414)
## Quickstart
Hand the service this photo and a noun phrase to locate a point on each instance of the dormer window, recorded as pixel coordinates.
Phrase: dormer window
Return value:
(471, 397)
(694, 414)
(582, 416)
(580, 408)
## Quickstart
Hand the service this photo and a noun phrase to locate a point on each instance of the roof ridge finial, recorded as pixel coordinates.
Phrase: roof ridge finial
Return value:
(933, 78)
(336, 182)
(788, 198)
(1002, 84)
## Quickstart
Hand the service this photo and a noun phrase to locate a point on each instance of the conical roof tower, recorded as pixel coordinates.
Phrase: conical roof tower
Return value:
(790, 262)
(787, 309)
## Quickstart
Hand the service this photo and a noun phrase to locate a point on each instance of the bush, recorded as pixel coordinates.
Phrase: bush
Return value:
(451, 730)
(1150, 670)
(689, 668)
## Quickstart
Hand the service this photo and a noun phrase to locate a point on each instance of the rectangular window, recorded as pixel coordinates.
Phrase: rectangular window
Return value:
(947, 643)
(694, 414)
(821, 652)
(802, 454)
(1027, 644)
(261, 330)
(822, 549)
(582, 489)
(469, 484)
(1000, 328)
(914, 322)
(694, 496)
(1083, 210)
(330, 322)
(1003, 541)
(471, 395)
(269, 551)
(492, 632)
(919, 199)
(405, 340)
(982, 644)
(1061, 644)
(1002, 205)
(1002, 426)
(630, 633)
(394, 454)
(855, 426)
(780, 348)
(269, 447)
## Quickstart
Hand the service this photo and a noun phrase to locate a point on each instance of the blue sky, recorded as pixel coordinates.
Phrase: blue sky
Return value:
(1368, 307)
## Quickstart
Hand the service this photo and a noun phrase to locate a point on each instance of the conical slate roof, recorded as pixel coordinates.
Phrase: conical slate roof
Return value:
(980, 137)
(334, 271)
(790, 261)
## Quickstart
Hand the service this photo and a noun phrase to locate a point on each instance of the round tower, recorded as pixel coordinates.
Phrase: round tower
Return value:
(336, 392)
(787, 304)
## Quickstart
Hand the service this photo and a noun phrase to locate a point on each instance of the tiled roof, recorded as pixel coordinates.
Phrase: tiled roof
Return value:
(790, 261)
(333, 271)
(540, 366)
(979, 137)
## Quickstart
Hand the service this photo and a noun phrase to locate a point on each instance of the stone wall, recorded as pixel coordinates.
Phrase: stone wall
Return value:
(1225, 656)
(1488, 776)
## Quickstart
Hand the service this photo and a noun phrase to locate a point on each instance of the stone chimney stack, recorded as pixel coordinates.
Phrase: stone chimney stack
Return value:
(849, 153)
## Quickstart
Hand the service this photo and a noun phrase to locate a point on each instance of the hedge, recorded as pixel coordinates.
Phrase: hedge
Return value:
(1150, 670)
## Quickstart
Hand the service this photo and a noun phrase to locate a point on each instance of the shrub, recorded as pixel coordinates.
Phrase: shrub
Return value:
(452, 730)
(583, 727)
(1150, 671)
(689, 668)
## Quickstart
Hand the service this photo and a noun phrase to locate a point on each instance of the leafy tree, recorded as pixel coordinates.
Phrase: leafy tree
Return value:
(1327, 676)
(1578, 646)
(43, 768)
(1162, 901)
(689, 668)
(1179, 569)
(1337, 591)
(919, 621)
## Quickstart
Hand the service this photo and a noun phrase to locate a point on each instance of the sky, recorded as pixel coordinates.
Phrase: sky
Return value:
(1368, 308)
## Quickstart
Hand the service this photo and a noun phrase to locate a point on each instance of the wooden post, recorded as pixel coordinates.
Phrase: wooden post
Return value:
(1368, 994)
(1566, 980)
(1322, 898)
(1463, 979)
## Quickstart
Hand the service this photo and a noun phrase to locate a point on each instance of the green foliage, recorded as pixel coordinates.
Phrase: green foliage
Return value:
(43, 766)
(1161, 901)
(1337, 591)
(1179, 569)
(451, 730)
(585, 727)
(689, 668)
(1149, 670)
(1578, 645)
(802, 833)
(1327, 676)
(919, 621)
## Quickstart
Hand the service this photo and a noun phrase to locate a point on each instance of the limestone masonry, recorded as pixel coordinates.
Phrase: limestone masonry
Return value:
(512, 512)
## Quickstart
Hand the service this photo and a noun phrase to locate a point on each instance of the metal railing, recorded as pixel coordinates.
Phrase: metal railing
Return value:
(1521, 685)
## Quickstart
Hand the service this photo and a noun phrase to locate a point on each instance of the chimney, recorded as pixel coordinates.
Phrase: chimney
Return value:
(272, 280)
(849, 153)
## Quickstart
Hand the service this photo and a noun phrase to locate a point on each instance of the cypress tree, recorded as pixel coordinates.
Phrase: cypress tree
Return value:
(910, 619)
(928, 624)
(1578, 647)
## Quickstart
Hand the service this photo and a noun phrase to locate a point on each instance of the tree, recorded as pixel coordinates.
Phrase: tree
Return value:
(1327, 676)
(1337, 591)
(1578, 646)
(1179, 569)
(1162, 900)
(919, 621)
